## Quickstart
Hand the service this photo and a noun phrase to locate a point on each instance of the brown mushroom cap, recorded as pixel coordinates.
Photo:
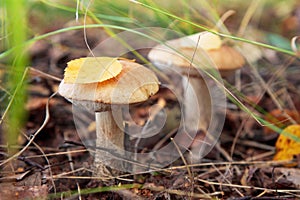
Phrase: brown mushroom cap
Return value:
(225, 58)
(133, 84)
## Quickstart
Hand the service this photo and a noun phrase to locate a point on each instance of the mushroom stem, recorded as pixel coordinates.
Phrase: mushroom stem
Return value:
(109, 142)
(196, 93)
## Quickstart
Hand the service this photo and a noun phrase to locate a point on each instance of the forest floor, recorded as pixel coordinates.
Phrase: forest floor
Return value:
(57, 165)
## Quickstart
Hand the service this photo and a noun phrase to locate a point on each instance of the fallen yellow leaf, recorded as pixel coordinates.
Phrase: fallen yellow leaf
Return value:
(92, 70)
(286, 147)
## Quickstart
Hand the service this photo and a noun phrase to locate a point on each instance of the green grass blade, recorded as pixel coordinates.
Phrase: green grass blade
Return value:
(112, 18)
(95, 190)
(16, 26)
(215, 32)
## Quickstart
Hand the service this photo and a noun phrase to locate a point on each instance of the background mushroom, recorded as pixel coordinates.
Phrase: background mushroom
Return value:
(189, 56)
(115, 83)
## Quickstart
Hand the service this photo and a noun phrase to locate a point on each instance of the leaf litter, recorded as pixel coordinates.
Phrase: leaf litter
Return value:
(64, 165)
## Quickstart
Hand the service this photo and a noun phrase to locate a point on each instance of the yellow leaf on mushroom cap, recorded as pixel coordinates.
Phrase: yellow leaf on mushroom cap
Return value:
(92, 70)
(286, 147)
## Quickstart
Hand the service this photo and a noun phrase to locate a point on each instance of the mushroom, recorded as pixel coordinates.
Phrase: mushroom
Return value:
(187, 55)
(117, 83)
